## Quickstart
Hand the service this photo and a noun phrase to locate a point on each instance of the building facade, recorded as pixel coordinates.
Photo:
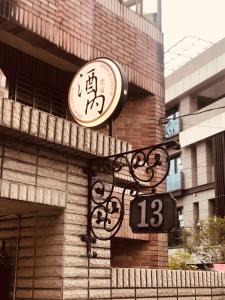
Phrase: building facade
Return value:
(195, 106)
(43, 152)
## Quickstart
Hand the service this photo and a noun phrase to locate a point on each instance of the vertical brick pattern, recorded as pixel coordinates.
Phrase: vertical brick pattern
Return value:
(39, 269)
(165, 284)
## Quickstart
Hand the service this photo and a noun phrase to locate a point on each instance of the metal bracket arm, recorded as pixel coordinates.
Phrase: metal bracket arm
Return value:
(136, 171)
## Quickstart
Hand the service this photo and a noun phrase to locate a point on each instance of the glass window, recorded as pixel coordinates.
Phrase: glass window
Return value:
(196, 221)
(194, 165)
(179, 164)
(146, 8)
(180, 216)
(175, 165)
(211, 206)
(150, 10)
(172, 167)
(210, 161)
(173, 125)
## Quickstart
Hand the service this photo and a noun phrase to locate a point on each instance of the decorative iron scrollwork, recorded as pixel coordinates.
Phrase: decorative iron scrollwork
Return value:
(133, 172)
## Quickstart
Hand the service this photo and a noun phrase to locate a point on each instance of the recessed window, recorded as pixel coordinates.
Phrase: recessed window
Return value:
(194, 165)
(175, 165)
(32, 82)
(212, 207)
(196, 219)
(209, 161)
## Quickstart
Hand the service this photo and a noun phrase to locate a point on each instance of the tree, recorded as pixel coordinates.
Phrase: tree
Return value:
(208, 242)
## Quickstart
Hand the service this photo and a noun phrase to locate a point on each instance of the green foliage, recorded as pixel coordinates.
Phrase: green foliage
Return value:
(180, 260)
(208, 242)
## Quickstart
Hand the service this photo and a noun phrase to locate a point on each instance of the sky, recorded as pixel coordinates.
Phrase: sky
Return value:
(204, 19)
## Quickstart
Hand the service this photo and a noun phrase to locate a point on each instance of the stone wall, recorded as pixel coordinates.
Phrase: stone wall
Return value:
(40, 256)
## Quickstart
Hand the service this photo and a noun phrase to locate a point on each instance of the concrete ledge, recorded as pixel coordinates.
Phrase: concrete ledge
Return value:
(46, 129)
(28, 193)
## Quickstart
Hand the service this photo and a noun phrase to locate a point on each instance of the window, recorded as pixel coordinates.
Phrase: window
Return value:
(36, 94)
(180, 216)
(175, 165)
(174, 180)
(194, 165)
(196, 220)
(209, 161)
(172, 127)
(150, 9)
(211, 207)
(33, 82)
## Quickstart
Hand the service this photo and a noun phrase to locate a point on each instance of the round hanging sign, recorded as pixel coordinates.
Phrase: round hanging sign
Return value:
(98, 92)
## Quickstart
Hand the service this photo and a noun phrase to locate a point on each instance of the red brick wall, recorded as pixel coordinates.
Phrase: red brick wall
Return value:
(87, 30)
(139, 122)
(145, 254)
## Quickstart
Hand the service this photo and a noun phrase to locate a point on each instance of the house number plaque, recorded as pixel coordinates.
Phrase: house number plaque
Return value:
(154, 213)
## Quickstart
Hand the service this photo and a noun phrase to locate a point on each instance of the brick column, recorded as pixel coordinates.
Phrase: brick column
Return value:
(138, 123)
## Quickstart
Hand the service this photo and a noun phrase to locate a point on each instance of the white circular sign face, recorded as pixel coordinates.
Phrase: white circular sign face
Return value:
(95, 92)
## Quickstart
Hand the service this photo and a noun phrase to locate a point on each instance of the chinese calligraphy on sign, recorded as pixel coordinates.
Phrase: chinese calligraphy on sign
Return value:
(93, 99)
(95, 92)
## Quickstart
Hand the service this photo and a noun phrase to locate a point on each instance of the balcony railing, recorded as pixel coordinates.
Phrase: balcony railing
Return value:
(174, 182)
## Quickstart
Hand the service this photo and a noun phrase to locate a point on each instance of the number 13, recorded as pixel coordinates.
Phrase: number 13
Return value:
(157, 219)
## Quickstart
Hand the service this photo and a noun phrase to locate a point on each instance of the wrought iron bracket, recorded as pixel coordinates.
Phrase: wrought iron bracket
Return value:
(133, 172)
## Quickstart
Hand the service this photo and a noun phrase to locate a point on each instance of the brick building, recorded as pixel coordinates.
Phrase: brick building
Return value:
(43, 189)
(42, 45)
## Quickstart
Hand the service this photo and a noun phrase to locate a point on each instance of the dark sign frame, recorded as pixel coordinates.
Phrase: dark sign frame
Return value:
(154, 213)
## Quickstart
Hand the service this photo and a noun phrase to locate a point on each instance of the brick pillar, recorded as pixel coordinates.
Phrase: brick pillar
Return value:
(139, 125)
(83, 277)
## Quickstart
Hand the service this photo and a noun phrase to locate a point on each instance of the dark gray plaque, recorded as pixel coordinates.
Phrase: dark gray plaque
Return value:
(153, 213)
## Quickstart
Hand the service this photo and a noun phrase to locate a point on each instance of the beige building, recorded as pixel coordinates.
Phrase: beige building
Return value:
(195, 105)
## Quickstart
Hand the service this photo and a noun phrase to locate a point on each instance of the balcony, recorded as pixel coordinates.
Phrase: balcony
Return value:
(174, 182)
